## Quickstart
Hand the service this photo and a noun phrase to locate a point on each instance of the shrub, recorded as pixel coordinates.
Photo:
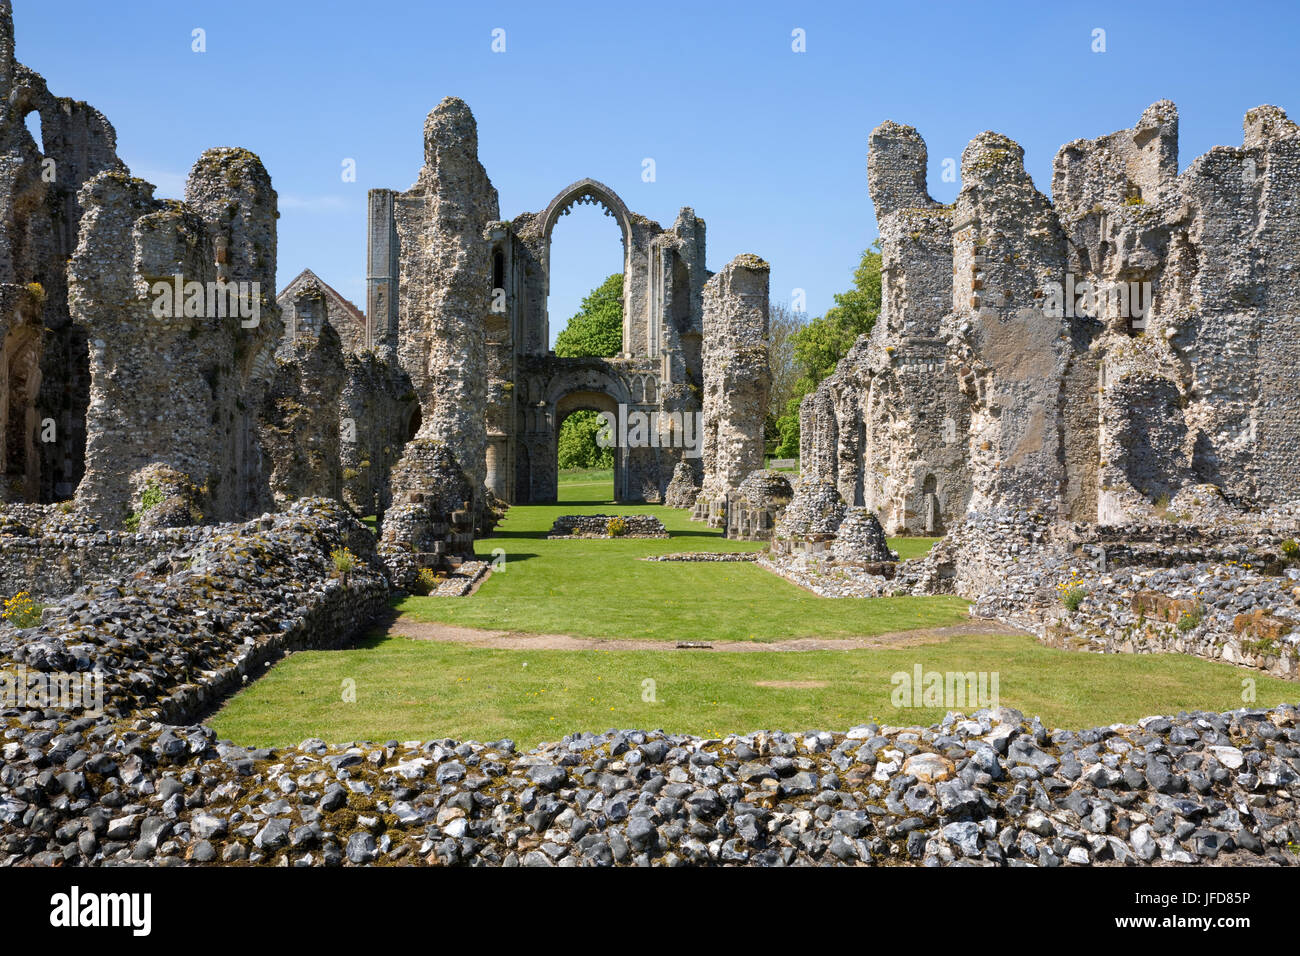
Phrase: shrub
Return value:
(344, 560)
(21, 611)
(1072, 592)
(426, 581)
(1291, 549)
(151, 497)
(1189, 620)
(616, 527)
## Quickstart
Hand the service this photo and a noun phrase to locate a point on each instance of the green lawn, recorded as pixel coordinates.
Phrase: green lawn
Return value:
(600, 588)
(409, 689)
(417, 690)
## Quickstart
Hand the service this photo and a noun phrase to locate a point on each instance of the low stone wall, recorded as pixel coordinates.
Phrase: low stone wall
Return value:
(706, 556)
(597, 526)
(183, 631)
(1217, 612)
(50, 554)
(828, 579)
(988, 789)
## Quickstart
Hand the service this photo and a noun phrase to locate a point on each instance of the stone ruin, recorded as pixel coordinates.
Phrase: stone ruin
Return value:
(472, 329)
(1097, 395)
(736, 381)
(145, 356)
(185, 458)
(752, 510)
(1088, 357)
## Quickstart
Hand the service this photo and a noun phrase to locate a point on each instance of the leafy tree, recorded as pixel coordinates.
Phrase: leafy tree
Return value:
(821, 343)
(783, 325)
(597, 329)
(578, 448)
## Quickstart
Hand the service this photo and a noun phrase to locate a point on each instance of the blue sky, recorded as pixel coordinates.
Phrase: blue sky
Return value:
(767, 145)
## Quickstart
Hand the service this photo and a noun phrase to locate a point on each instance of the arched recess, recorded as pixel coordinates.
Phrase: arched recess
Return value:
(20, 382)
(583, 400)
(587, 192)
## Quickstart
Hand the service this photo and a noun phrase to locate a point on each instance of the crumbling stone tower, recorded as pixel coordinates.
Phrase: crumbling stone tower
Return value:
(428, 294)
(177, 302)
(736, 381)
(1007, 247)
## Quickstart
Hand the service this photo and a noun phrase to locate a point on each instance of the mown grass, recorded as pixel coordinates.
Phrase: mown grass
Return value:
(600, 588)
(417, 690)
(392, 687)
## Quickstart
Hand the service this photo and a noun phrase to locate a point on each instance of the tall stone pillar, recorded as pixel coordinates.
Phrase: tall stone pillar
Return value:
(736, 380)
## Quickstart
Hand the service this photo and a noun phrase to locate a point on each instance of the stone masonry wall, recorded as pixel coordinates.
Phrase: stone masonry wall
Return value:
(178, 380)
(444, 292)
(736, 379)
(44, 374)
(1086, 357)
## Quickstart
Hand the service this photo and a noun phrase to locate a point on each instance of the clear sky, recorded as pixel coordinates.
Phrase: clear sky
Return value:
(766, 144)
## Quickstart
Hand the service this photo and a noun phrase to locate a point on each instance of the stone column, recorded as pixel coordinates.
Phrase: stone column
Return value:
(736, 380)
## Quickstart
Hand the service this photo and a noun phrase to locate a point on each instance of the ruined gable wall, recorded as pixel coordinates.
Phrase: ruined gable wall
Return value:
(303, 317)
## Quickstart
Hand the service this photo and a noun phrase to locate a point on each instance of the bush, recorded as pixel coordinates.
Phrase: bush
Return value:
(344, 560)
(151, 497)
(1072, 593)
(21, 611)
(426, 581)
(1291, 549)
(616, 527)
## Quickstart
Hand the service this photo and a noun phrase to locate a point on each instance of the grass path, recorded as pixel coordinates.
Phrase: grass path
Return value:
(602, 589)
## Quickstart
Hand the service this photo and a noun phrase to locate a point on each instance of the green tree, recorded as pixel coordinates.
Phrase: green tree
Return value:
(821, 343)
(578, 447)
(597, 329)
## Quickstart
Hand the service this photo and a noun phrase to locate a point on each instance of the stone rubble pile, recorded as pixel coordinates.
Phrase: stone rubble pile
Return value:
(706, 556)
(194, 623)
(988, 789)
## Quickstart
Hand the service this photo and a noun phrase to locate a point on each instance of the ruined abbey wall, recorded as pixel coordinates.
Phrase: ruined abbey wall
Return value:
(44, 375)
(1087, 356)
(177, 376)
(736, 381)
(460, 296)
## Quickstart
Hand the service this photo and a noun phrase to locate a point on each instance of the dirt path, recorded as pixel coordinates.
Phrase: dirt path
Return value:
(521, 641)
